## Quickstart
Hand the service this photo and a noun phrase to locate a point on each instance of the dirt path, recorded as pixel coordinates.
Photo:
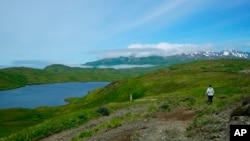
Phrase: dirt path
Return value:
(164, 125)
(67, 135)
(160, 126)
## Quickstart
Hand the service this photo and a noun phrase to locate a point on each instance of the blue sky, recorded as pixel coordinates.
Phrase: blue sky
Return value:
(36, 33)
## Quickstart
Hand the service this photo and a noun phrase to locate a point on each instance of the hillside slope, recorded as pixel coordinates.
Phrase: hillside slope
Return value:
(158, 99)
(180, 89)
(178, 81)
(20, 76)
(172, 104)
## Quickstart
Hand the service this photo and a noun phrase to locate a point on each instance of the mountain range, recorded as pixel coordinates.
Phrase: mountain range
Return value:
(168, 60)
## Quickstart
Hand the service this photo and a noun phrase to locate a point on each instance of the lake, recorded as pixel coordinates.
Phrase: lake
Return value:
(33, 96)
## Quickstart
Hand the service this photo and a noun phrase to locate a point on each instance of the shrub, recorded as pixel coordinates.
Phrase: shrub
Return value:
(246, 101)
(82, 117)
(241, 111)
(165, 106)
(113, 123)
(87, 133)
(103, 111)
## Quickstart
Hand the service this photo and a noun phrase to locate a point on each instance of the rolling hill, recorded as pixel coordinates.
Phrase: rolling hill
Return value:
(20, 76)
(183, 80)
(181, 86)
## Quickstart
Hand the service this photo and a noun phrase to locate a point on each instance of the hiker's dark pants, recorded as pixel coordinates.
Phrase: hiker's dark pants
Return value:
(210, 99)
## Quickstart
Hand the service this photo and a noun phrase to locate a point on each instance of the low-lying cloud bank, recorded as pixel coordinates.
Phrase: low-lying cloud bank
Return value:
(123, 66)
(41, 64)
(160, 49)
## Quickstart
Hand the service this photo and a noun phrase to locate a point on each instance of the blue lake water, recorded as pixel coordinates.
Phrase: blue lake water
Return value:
(33, 96)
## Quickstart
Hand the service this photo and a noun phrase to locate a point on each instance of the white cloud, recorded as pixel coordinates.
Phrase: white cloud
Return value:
(160, 49)
(126, 66)
(165, 8)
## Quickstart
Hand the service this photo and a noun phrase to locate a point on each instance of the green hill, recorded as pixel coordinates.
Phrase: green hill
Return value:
(21, 76)
(179, 81)
(181, 85)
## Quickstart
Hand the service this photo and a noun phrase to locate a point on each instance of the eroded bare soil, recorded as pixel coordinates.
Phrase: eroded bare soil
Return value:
(159, 126)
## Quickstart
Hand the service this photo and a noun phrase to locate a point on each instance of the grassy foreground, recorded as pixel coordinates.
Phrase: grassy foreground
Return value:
(179, 85)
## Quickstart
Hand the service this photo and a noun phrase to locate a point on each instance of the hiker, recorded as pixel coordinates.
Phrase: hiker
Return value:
(210, 94)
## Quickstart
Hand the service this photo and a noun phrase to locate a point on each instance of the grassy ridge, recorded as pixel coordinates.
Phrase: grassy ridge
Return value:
(178, 85)
(21, 76)
(186, 80)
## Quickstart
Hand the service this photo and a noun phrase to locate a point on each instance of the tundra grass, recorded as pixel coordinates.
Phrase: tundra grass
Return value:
(179, 85)
(20, 76)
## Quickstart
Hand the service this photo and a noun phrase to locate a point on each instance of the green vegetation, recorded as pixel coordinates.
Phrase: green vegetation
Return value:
(114, 122)
(178, 82)
(19, 77)
(181, 85)
(153, 60)
(103, 111)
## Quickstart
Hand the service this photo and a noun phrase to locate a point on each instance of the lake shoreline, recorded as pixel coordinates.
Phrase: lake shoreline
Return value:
(47, 83)
(52, 94)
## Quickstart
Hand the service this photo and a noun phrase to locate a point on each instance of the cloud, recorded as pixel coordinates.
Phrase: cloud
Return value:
(160, 49)
(165, 8)
(163, 14)
(126, 66)
(167, 13)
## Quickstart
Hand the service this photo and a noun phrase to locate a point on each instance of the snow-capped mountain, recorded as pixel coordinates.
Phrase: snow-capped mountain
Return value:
(222, 54)
(170, 60)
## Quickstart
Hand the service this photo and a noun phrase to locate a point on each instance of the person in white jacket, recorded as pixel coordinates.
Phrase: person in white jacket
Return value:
(210, 94)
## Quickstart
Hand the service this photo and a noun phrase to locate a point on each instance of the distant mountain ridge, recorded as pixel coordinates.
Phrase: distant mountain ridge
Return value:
(169, 60)
(222, 54)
